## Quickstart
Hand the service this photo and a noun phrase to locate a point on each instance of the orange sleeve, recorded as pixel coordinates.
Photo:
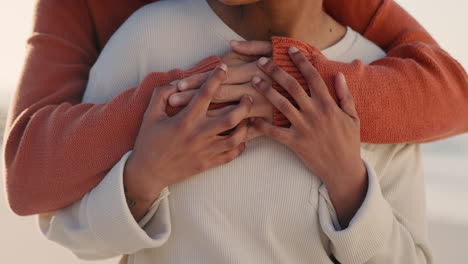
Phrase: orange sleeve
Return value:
(417, 93)
(57, 149)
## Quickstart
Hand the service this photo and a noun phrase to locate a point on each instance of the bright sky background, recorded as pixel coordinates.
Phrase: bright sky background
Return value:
(445, 19)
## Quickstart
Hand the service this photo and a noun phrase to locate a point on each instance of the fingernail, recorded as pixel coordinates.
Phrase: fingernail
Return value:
(293, 50)
(256, 80)
(262, 61)
(223, 67)
(249, 98)
(174, 82)
(234, 42)
(182, 85)
(175, 99)
(342, 77)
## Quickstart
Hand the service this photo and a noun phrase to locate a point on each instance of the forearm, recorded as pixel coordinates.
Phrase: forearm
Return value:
(392, 94)
(348, 193)
(140, 191)
(389, 226)
(93, 134)
(100, 225)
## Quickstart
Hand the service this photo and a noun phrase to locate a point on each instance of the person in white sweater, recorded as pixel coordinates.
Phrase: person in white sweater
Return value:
(275, 203)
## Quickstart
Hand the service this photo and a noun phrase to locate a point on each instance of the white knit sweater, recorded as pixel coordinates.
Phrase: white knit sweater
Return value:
(265, 206)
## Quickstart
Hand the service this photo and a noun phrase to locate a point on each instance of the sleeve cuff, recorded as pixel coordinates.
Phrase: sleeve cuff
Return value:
(111, 221)
(281, 58)
(368, 230)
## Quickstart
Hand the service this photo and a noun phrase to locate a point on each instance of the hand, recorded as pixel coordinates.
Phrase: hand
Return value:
(324, 135)
(242, 67)
(171, 149)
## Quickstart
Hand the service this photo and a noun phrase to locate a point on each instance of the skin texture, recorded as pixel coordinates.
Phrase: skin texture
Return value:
(324, 135)
(175, 148)
(251, 19)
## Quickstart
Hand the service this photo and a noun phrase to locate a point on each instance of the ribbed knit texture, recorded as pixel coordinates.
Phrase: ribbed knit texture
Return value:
(263, 207)
(57, 149)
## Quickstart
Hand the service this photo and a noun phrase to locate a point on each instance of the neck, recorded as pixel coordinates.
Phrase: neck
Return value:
(299, 19)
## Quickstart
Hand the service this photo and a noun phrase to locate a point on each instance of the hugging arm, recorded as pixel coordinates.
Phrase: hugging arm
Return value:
(47, 122)
(417, 93)
(56, 148)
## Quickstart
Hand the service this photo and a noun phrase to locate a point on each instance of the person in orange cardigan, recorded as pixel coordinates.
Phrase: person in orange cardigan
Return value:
(49, 131)
(275, 203)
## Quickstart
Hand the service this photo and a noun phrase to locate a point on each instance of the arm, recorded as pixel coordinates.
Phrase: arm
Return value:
(49, 132)
(101, 226)
(422, 92)
(390, 226)
(367, 218)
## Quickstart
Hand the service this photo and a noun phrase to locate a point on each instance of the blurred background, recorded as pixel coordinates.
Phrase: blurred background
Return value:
(445, 162)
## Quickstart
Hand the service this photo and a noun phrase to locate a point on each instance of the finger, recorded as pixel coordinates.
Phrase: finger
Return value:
(243, 73)
(200, 103)
(156, 109)
(233, 58)
(252, 48)
(220, 111)
(182, 98)
(233, 93)
(317, 86)
(234, 139)
(286, 81)
(234, 117)
(193, 82)
(253, 133)
(280, 134)
(345, 98)
(277, 100)
(228, 156)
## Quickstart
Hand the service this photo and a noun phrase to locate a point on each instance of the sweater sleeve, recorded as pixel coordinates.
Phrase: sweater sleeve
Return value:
(390, 226)
(417, 93)
(101, 226)
(56, 148)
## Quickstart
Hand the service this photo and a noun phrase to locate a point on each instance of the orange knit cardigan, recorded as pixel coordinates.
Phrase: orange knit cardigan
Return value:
(57, 149)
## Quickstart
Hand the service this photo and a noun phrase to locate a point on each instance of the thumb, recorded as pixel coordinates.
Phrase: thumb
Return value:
(252, 48)
(157, 107)
(345, 98)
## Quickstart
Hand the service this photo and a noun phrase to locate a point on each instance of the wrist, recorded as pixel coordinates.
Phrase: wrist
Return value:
(343, 182)
(348, 193)
(139, 187)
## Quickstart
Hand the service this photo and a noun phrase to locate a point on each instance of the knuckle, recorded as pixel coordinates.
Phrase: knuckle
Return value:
(206, 93)
(232, 142)
(183, 125)
(231, 121)
(285, 106)
(219, 75)
(313, 73)
(276, 133)
(203, 165)
(328, 109)
(291, 84)
(274, 70)
(302, 60)
(219, 96)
